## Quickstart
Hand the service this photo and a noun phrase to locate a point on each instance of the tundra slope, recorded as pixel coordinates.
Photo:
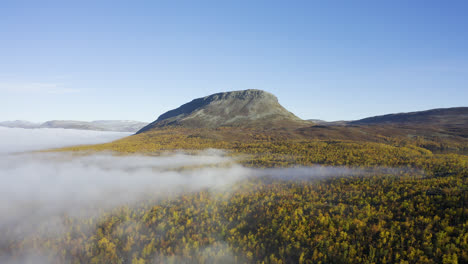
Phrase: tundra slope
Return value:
(247, 108)
(441, 116)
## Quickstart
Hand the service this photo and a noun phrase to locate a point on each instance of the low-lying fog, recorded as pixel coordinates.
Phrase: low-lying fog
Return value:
(39, 185)
(20, 139)
(37, 188)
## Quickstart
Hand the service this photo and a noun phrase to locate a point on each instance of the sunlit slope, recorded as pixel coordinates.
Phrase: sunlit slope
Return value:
(249, 116)
(265, 151)
(379, 219)
(246, 108)
(252, 124)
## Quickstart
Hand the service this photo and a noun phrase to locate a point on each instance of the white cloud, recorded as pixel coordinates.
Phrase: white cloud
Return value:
(20, 139)
(55, 183)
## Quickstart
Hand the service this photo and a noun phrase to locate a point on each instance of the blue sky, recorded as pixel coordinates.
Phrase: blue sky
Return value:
(328, 60)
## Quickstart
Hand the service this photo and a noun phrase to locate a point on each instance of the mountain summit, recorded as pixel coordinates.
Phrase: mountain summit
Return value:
(246, 108)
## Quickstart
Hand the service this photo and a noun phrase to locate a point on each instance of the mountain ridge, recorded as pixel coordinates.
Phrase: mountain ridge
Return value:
(453, 115)
(98, 125)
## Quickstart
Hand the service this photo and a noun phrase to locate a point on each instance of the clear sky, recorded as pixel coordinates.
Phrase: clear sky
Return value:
(331, 60)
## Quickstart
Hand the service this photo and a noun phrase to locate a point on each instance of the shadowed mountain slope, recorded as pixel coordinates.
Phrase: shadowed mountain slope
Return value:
(247, 108)
(441, 116)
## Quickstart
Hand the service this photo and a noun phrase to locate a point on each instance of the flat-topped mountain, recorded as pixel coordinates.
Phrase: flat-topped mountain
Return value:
(440, 116)
(100, 125)
(246, 108)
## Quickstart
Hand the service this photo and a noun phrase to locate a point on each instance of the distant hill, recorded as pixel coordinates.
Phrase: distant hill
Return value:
(100, 125)
(246, 108)
(120, 125)
(241, 114)
(441, 116)
(19, 124)
(328, 123)
(441, 130)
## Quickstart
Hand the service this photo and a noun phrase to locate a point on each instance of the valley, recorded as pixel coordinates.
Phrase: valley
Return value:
(234, 132)
(298, 192)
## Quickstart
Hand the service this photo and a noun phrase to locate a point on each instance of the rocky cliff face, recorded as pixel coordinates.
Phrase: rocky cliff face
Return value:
(247, 108)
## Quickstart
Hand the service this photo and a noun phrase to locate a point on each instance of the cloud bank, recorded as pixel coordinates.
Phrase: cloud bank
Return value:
(20, 139)
(39, 187)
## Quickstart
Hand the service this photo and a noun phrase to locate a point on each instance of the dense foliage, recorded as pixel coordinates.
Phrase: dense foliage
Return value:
(418, 215)
(263, 150)
(367, 219)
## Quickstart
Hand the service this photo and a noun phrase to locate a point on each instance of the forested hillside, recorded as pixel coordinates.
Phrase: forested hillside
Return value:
(362, 219)
(404, 204)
